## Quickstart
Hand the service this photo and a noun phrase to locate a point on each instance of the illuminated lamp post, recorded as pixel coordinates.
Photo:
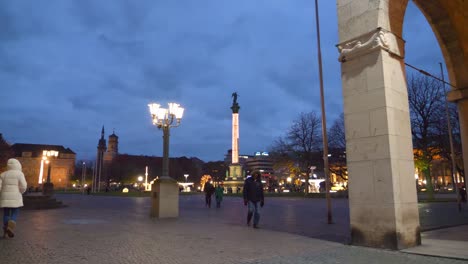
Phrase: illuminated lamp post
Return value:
(165, 191)
(48, 187)
(140, 180)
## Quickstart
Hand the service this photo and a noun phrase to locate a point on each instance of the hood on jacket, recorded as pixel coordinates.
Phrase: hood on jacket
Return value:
(13, 164)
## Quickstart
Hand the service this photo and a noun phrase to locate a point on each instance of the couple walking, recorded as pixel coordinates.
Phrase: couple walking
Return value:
(218, 191)
(12, 186)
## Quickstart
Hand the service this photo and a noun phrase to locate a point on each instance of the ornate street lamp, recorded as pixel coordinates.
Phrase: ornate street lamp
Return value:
(47, 155)
(165, 190)
(165, 119)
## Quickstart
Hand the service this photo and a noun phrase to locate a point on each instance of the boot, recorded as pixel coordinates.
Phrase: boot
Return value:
(10, 228)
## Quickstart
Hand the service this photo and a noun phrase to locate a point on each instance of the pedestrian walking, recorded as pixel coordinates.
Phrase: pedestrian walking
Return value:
(253, 198)
(209, 190)
(219, 192)
(12, 186)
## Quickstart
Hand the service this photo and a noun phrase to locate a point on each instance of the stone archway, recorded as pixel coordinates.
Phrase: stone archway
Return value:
(382, 197)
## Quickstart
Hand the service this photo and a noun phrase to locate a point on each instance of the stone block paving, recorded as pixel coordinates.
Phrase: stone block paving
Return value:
(96, 229)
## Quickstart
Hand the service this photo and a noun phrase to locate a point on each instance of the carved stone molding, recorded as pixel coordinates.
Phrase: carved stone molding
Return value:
(458, 94)
(377, 39)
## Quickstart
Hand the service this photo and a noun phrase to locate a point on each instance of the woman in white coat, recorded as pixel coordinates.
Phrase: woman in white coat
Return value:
(12, 186)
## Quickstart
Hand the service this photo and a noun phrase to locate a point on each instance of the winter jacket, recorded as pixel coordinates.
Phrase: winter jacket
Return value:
(209, 189)
(12, 185)
(219, 192)
(253, 190)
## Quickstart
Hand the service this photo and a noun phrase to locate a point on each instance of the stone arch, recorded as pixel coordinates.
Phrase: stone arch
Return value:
(382, 196)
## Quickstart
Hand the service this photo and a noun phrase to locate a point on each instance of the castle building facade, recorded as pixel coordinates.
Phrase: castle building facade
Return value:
(35, 169)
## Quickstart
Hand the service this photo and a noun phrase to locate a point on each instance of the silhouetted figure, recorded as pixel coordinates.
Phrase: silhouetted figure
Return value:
(219, 192)
(234, 100)
(209, 190)
(253, 198)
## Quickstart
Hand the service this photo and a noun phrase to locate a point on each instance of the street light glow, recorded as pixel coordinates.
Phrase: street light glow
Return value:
(165, 119)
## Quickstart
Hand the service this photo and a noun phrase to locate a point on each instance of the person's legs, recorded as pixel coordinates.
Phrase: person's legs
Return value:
(14, 214)
(256, 214)
(10, 215)
(250, 208)
(6, 216)
(209, 201)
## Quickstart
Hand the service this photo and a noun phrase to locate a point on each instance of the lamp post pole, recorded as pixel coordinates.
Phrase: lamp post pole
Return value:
(146, 178)
(452, 152)
(165, 168)
(49, 165)
(165, 198)
(324, 120)
(83, 176)
(48, 187)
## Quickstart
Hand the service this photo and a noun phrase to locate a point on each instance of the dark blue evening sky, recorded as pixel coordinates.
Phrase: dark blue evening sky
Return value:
(68, 67)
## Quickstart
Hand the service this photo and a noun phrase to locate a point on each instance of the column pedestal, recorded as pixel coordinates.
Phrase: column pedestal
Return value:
(48, 188)
(235, 172)
(165, 198)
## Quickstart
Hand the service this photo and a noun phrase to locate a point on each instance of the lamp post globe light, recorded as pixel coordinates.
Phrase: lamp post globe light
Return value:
(165, 190)
(165, 119)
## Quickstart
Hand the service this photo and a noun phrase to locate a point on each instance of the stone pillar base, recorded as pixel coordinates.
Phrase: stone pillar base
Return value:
(165, 198)
(235, 172)
(48, 188)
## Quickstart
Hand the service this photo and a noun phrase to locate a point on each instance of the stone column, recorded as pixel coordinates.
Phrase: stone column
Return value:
(382, 189)
(235, 138)
(235, 169)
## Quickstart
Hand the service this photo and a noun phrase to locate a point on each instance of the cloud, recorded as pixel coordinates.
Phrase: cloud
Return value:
(72, 66)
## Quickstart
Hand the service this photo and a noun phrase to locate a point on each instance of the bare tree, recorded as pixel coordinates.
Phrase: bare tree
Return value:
(283, 158)
(304, 137)
(337, 143)
(443, 141)
(296, 150)
(425, 97)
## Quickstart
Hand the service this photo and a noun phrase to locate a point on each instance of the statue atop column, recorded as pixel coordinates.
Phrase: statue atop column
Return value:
(235, 106)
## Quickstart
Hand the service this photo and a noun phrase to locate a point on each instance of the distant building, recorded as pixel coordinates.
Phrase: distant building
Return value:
(261, 162)
(5, 153)
(30, 156)
(113, 168)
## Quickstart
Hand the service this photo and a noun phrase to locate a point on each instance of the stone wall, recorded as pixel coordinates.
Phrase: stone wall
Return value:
(61, 171)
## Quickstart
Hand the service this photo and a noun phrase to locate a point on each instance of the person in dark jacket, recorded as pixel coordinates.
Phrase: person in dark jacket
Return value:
(253, 198)
(209, 190)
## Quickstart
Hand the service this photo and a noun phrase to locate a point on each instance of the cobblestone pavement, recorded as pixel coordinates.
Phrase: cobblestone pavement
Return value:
(96, 229)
